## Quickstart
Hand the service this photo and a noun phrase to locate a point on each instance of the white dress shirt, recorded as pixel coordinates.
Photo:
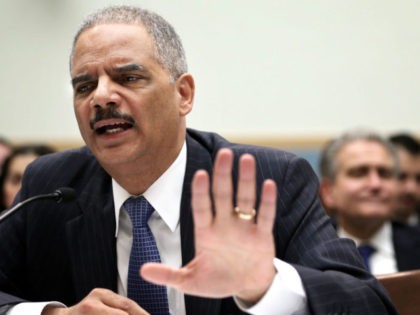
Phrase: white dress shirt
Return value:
(163, 223)
(286, 294)
(383, 260)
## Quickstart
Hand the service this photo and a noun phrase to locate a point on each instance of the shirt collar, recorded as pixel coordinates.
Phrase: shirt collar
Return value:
(381, 240)
(164, 194)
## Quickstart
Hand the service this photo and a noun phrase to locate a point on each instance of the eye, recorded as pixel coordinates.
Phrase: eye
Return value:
(385, 172)
(14, 179)
(130, 78)
(84, 88)
(358, 172)
(402, 176)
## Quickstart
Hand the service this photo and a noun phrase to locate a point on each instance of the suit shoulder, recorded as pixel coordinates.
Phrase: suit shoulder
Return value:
(401, 229)
(62, 168)
(274, 159)
(214, 142)
(79, 156)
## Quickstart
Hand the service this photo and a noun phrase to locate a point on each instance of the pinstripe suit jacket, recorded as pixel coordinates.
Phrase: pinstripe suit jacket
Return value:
(61, 252)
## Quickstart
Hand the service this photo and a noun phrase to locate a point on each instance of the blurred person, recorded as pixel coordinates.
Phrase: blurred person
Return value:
(5, 148)
(358, 177)
(13, 168)
(408, 188)
(233, 228)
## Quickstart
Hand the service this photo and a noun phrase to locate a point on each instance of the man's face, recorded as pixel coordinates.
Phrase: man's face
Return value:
(408, 188)
(364, 184)
(13, 179)
(127, 106)
(4, 152)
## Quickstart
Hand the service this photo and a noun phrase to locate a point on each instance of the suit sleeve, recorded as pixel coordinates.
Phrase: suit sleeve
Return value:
(11, 261)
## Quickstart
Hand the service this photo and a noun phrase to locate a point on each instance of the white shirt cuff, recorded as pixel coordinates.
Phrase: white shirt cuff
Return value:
(286, 294)
(31, 308)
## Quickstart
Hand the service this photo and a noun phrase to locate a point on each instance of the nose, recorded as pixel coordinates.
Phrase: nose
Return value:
(105, 94)
(411, 185)
(375, 180)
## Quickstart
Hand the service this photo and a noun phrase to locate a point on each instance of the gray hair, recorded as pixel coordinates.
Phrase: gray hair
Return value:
(169, 51)
(328, 165)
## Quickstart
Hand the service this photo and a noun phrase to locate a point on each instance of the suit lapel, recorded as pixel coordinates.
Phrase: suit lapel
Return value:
(90, 237)
(197, 158)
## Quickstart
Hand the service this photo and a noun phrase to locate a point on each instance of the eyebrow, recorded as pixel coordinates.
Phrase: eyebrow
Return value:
(122, 69)
(81, 78)
(130, 67)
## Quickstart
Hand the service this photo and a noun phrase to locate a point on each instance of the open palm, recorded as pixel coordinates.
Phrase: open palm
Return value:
(234, 256)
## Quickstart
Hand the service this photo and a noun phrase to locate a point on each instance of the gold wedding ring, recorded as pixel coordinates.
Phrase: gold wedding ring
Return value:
(245, 215)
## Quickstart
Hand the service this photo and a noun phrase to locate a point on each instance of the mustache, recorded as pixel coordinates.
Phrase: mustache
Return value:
(108, 113)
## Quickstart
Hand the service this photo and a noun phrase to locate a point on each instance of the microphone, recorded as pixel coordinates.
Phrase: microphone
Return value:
(61, 194)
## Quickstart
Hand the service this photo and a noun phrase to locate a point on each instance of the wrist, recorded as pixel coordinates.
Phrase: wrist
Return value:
(53, 310)
(256, 293)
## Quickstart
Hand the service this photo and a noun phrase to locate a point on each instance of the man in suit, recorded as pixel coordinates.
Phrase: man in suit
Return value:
(219, 255)
(358, 178)
(408, 188)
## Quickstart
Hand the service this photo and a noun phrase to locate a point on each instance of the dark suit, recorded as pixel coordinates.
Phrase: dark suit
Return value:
(61, 252)
(406, 240)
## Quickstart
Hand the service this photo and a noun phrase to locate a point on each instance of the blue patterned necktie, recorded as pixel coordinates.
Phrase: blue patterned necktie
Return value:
(153, 298)
(366, 251)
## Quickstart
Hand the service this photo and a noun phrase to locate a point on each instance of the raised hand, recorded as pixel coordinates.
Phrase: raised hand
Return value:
(234, 252)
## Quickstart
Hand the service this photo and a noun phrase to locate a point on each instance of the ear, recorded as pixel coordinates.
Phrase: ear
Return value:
(326, 193)
(185, 87)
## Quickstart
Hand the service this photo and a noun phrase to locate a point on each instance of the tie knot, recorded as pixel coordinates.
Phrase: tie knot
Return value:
(366, 250)
(139, 210)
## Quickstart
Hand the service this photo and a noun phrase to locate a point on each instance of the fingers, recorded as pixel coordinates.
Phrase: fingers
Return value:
(222, 190)
(222, 184)
(267, 210)
(245, 198)
(200, 200)
(162, 274)
(103, 301)
(223, 187)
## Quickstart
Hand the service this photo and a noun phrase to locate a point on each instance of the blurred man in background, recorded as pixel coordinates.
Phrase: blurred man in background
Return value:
(408, 187)
(5, 148)
(358, 186)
